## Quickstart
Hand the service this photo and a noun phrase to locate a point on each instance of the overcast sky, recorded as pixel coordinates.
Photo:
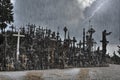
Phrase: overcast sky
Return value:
(75, 14)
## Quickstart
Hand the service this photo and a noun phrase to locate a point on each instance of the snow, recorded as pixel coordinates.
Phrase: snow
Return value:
(98, 73)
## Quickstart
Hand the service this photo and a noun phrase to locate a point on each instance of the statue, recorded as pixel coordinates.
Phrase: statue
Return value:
(104, 43)
(65, 31)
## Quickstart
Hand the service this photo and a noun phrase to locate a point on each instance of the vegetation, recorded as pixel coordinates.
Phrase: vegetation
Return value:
(6, 13)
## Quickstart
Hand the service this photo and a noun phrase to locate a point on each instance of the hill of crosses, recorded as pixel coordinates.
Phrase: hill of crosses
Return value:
(37, 48)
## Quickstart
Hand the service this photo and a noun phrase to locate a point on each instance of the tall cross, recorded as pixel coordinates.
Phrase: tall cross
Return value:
(18, 43)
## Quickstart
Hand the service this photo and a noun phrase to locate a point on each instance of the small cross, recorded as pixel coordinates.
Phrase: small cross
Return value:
(18, 43)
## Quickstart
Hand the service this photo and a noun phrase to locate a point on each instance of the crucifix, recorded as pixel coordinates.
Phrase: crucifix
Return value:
(18, 43)
(104, 43)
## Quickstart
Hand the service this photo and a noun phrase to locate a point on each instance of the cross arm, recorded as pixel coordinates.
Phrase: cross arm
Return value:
(18, 35)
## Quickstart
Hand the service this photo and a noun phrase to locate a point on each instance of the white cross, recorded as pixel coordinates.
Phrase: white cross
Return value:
(18, 43)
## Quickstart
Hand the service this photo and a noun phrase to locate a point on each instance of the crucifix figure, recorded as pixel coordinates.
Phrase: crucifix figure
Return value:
(104, 40)
(104, 43)
(18, 43)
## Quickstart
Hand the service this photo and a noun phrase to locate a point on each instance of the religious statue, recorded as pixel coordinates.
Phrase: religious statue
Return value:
(104, 42)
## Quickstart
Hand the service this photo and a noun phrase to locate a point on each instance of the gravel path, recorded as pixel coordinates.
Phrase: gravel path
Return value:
(101, 73)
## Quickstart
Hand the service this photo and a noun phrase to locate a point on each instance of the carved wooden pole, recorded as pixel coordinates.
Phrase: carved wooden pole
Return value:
(104, 43)
(65, 30)
(83, 39)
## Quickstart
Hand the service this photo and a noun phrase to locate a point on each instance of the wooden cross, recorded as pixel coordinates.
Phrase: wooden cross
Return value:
(18, 43)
